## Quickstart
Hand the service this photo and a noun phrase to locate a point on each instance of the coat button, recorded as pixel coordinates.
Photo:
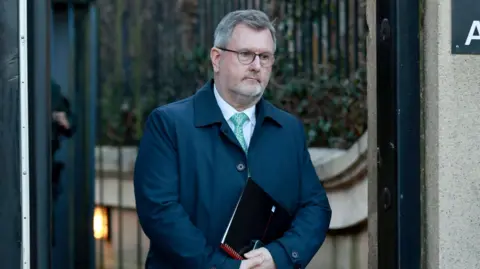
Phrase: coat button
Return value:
(295, 254)
(240, 167)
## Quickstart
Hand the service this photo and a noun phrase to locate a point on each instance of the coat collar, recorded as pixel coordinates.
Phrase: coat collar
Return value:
(208, 112)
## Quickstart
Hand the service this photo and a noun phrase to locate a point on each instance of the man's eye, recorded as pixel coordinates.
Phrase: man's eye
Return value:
(245, 54)
(264, 56)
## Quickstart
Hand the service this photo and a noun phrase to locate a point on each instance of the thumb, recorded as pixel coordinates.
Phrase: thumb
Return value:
(253, 253)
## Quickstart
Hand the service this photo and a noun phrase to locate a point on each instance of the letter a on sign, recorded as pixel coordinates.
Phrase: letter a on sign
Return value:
(474, 33)
(465, 32)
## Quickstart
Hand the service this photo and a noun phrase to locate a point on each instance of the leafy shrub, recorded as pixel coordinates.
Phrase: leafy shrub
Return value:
(332, 108)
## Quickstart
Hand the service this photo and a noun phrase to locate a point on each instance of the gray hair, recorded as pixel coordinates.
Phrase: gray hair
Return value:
(252, 18)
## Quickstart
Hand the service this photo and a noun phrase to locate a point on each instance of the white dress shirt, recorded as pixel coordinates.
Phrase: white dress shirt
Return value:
(228, 111)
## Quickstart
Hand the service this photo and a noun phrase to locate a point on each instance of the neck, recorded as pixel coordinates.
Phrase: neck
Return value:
(240, 102)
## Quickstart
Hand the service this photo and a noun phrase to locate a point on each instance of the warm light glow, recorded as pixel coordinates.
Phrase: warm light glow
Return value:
(100, 223)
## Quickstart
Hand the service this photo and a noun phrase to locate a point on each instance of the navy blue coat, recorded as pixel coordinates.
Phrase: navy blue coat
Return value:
(190, 171)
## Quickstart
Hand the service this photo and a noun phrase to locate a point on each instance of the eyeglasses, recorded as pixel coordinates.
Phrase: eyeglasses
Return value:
(247, 57)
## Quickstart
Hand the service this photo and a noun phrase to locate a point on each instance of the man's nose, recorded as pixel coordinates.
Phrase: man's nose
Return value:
(255, 65)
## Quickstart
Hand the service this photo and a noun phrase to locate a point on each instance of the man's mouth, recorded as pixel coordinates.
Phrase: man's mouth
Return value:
(254, 79)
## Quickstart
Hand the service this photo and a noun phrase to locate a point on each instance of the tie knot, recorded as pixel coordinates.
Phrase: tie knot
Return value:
(239, 119)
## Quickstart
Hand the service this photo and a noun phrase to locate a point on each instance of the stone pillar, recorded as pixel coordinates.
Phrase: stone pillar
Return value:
(451, 193)
(372, 134)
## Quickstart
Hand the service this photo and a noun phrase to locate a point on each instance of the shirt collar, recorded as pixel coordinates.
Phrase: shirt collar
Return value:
(207, 110)
(228, 111)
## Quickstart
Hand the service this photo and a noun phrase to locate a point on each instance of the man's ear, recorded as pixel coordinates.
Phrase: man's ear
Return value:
(215, 57)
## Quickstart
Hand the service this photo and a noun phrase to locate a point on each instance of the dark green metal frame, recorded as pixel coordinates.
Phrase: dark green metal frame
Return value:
(85, 63)
(85, 71)
(82, 91)
(398, 133)
(40, 133)
(10, 189)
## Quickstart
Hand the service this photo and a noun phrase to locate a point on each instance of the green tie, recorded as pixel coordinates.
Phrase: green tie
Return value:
(238, 121)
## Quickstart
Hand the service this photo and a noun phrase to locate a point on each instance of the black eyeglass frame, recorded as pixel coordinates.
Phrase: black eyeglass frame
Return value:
(268, 64)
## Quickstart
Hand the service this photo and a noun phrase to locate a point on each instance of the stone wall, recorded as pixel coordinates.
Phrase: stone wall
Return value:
(451, 189)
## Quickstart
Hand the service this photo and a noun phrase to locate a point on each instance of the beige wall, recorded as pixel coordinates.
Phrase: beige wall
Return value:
(347, 250)
(126, 251)
(452, 142)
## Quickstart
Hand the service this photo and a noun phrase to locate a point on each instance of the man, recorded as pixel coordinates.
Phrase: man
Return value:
(196, 154)
(61, 126)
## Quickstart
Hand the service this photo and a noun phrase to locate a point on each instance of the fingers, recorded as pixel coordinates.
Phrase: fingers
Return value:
(253, 262)
(253, 253)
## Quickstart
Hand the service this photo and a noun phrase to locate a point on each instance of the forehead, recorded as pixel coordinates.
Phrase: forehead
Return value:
(244, 37)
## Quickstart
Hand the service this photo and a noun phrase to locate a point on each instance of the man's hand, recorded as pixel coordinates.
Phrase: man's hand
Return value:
(61, 119)
(251, 263)
(266, 257)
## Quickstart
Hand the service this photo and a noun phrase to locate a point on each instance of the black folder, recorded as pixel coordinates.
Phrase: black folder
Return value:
(257, 220)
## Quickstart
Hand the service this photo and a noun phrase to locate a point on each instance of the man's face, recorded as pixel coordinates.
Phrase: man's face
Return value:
(251, 79)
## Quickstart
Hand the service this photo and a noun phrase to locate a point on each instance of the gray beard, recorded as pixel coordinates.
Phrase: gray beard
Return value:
(245, 100)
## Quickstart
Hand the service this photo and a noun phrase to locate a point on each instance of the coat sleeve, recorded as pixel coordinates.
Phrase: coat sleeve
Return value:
(162, 217)
(311, 222)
